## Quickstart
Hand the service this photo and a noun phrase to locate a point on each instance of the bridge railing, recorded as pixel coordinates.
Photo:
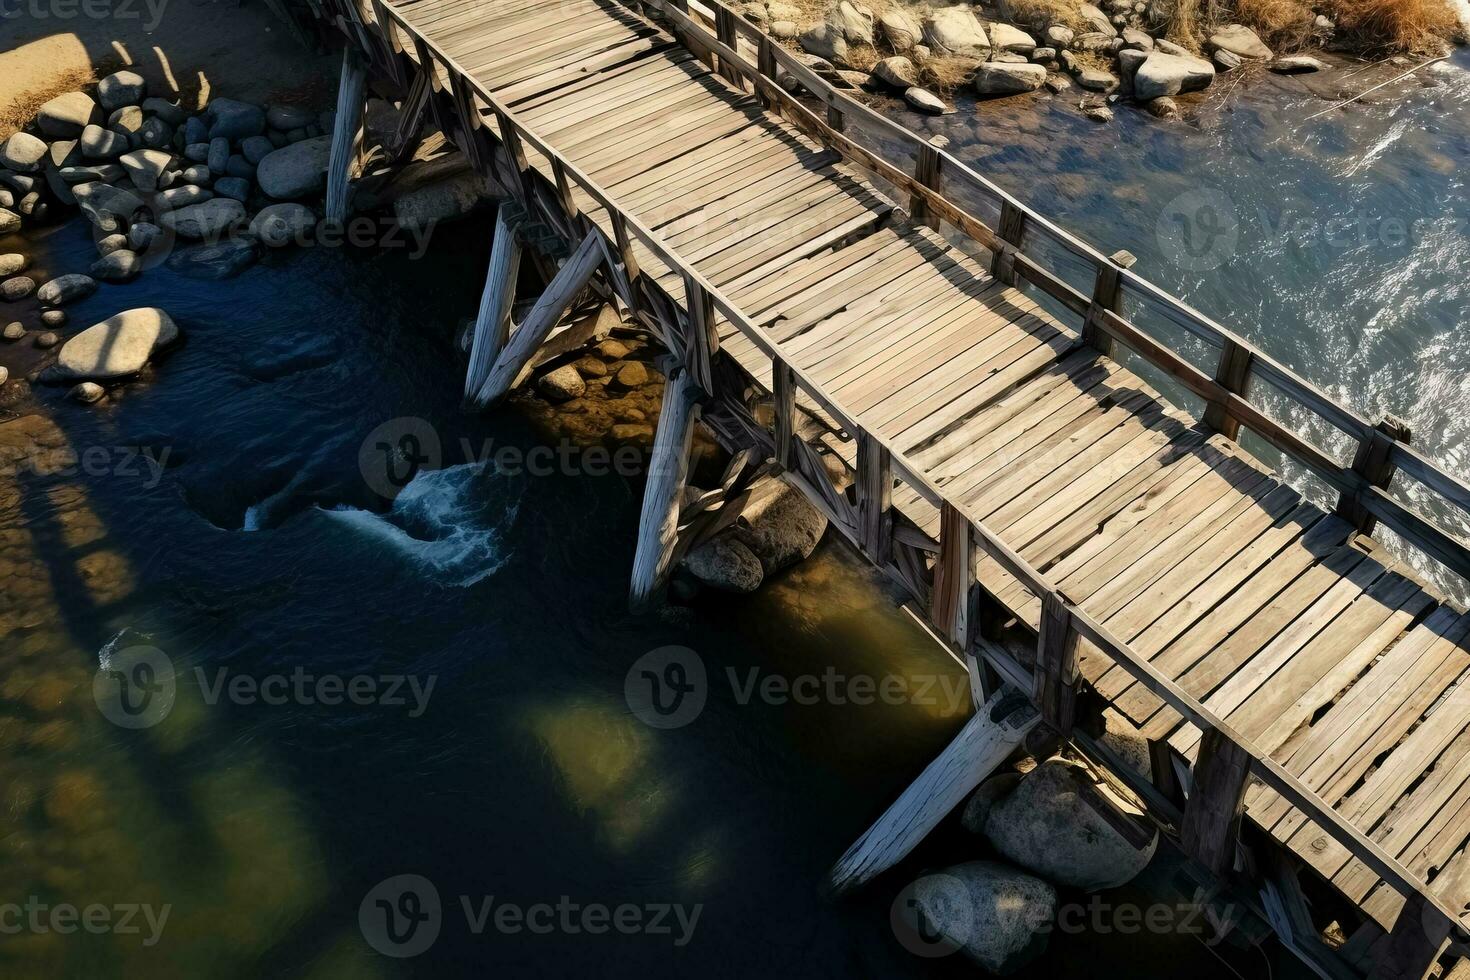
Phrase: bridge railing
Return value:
(1226, 759)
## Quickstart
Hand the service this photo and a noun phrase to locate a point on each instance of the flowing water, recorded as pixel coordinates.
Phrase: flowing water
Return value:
(218, 515)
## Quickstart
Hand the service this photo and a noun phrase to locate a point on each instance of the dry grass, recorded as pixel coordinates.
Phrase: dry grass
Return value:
(18, 113)
(1283, 24)
(1039, 14)
(1385, 26)
(946, 73)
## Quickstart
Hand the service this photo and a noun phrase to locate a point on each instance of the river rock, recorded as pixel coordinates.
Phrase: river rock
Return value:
(784, 30)
(1169, 47)
(1297, 64)
(726, 564)
(102, 144)
(53, 318)
(1163, 108)
(198, 174)
(66, 289)
(1241, 40)
(1099, 113)
(825, 40)
(631, 375)
(288, 117)
(219, 155)
(1136, 40)
(900, 28)
(1226, 60)
(119, 266)
(17, 288)
(1096, 20)
(209, 219)
(145, 167)
(854, 20)
(562, 385)
(9, 221)
(223, 260)
(925, 101)
(170, 112)
(87, 392)
(238, 166)
(121, 88)
(1096, 80)
(1004, 37)
(997, 78)
(184, 196)
(428, 193)
(1047, 825)
(1166, 74)
(13, 332)
(233, 120)
(117, 347)
(779, 524)
(65, 116)
(107, 207)
(156, 133)
(897, 72)
(956, 31)
(129, 122)
(235, 188)
(296, 170)
(1129, 61)
(256, 149)
(197, 152)
(11, 263)
(987, 794)
(112, 243)
(279, 225)
(998, 915)
(23, 152)
(47, 340)
(1060, 36)
(1095, 42)
(142, 235)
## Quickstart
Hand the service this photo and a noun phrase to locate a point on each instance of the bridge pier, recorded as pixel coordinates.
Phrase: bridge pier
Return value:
(346, 133)
(491, 331)
(668, 472)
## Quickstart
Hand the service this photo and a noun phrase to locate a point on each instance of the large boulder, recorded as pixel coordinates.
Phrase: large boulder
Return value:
(999, 916)
(234, 120)
(23, 152)
(1004, 37)
(1167, 74)
(64, 117)
(1096, 20)
(999, 78)
(278, 225)
(956, 30)
(825, 40)
(106, 206)
(211, 219)
(986, 796)
(854, 21)
(430, 192)
(897, 72)
(725, 563)
(66, 289)
(1241, 40)
(1050, 824)
(901, 29)
(121, 88)
(116, 347)
(296, 170)
(779, 525)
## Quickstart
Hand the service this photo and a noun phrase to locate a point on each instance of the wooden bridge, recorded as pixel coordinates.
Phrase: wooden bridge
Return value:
(829, 284)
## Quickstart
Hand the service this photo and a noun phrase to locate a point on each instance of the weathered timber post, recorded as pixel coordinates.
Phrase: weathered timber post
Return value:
(346, 133)
(1011, 231)
(428, 69)
(926, 172)
(492, 326)
(668, 472)
(414, 111)
(1233, 373)
(1373, 461)
(1105, 296)
(874, 498)
(766, 63)
(954, 573)
(553, 302)
(1056, 673)
(1216, 802)
(702, 340)
(985, 742)
(783, 409)
(725, 34)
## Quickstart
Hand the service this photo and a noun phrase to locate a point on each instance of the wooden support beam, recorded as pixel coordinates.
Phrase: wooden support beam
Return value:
(1413, 948)
(491, 331)
(1216, 802)
(954, 574)
(927, 173)
(783, 408)
(412, 114)
(874, 498)
(1011, 231)
(1105, 296)
(1056, 674)
(668, 472)
(346, 133)
(986, 741)
(702, 340)
(1232, 372)
(553, 302)
(1373, 461)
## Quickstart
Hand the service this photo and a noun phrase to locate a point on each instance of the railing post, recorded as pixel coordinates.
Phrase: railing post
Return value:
(725, 34)
(1012, 228)
(766, 63)
(1232, 372)
(564, 192)
(926, 173)
(835, 118)
(954, 574)
(783, 407)
(1374, 463)
(1055, 677)
(701, 341)
(1216, 801)
(874, 497)
(511, 140)
(1106, 295)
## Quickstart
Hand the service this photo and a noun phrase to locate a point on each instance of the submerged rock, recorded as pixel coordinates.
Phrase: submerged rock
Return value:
(116, 347)
(211, 219)
(223, 260)
(87, 392)
(726, 564)
(296, 170)
(1166, 74)
(925, 101)
(1048, 825)
(278, 225)
(997, 915)
(66, 289)
(120, 265)
(779, 524)
(998, 78)
(17, 288)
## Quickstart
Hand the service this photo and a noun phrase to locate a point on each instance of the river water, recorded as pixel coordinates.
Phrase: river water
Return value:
(256, 560)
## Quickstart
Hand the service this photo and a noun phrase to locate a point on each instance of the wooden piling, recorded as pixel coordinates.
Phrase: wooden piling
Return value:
(492, 326)
(668, 472)
(346, 133)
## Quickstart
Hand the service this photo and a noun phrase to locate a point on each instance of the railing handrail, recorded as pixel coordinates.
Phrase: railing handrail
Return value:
(1077, 620)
